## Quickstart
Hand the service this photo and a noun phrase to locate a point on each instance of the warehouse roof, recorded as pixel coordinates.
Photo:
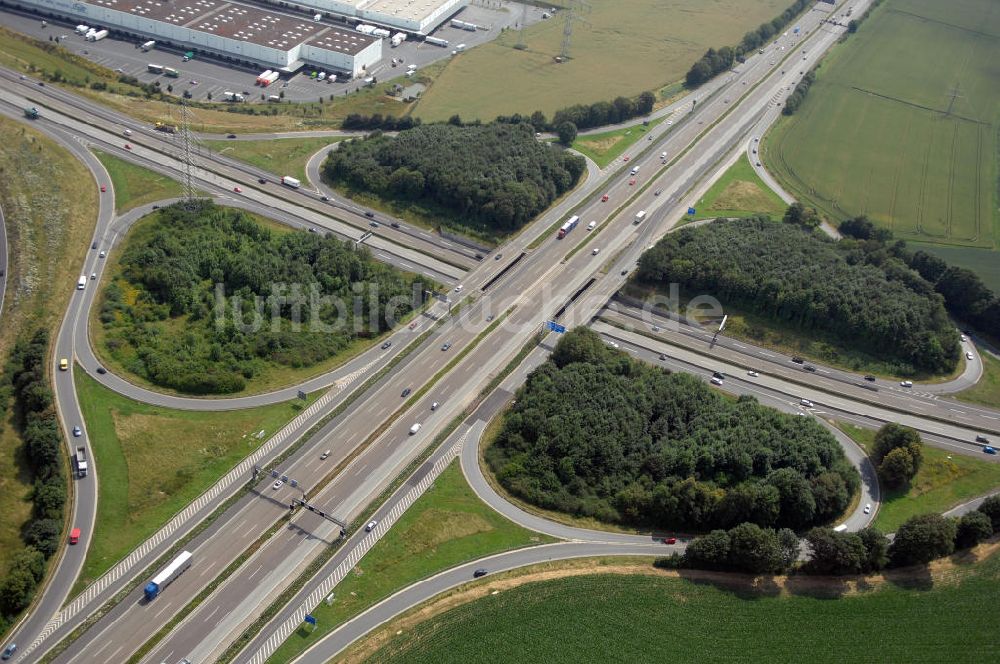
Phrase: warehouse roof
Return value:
(258, 26)
(406, 9)
(341, 41)
(177, 12)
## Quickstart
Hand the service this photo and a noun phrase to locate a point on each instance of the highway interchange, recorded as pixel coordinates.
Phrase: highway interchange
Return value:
(534, 285)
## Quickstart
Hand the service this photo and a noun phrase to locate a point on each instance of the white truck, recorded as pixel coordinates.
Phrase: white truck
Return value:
(81, 461)
(289, 181)
(233, 96)
(81, 283)
(415, 428)
(82, 29)
(148, 45)
(98, 36)
(640, 216)
(635, 170)
(397, 39)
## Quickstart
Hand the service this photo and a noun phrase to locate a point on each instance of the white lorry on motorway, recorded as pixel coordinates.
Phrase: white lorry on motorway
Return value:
(81, 461)
(289, 181)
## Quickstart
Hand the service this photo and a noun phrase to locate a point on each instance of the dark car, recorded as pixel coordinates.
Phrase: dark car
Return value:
(373, 224)
(982, 439)
(93, 246)
(395, 224)
(370, 215)
(102, 370)
(497, 257)
(719, 375)
(797, 360)
(12, 648)
(870, 378)
(479, 257)
(479, 572)
(325, 198)
(386, 345)
(261, 180)
(624, 272)
(231, 136)
(810, 367)
(406, 392)
(445, 346)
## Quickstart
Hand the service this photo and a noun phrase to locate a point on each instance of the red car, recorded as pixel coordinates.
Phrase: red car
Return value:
(103, 189)
(128, 147)
(625, 158)
(631, 182)
(604, 198)
(237, 190)
(670, 540)
(74, 536)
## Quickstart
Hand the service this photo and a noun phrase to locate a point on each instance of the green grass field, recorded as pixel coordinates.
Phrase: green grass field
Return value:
(621, 49)
(447, 526)
(285, 156)
(607, 146)
(135, 185)
(901, 125)
(49, 201)
(637, 618)
(153, 461)
(987, 391)
(739, 193)
(943, 481)
(984, 262)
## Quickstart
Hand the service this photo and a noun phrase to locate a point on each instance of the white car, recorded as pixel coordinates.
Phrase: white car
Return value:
(806, 403)
(434, 406)
(963, 337)
(458, 288)
(596, 251)
(716, 380)
(868, 508)
(906, 383)
(277, 484)
(371, 525)
(968, 355)
(752, 373)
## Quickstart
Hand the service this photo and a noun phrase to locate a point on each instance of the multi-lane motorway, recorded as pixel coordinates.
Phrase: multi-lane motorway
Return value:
(370, 441)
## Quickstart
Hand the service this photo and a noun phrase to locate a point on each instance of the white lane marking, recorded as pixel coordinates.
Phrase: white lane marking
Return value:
(956, 410)
(114, 653)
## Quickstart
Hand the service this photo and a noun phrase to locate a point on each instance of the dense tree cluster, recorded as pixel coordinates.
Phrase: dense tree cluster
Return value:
(717, 61)
(921, 539)
(846, 553)
(290, 299)
(791, 274)
(24, 378)
(595, 433)
(965, 294)
(600, 113)
(493, 178)
(794, 100)
(744, 548)
(897, 454)
(358, 121)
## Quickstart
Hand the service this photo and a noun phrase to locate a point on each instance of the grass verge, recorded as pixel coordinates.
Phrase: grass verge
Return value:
(447, 526)
(605, 147)
(739, 193)
(135, 185)
(49, 201)
(156, 460)
(987, 391)
(283, 156)
(632, 612)
(943, 481)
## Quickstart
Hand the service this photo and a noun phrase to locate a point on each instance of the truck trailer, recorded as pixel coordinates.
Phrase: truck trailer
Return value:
(81, 461)
(568, 226)
(289, 181)
(31, 113)
(269, 79)
(98, 36)
(436, 41)
(169, 573)
(148, 45)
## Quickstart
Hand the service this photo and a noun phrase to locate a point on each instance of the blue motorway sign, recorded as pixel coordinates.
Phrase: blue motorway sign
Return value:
(555, 327)
(692, 211)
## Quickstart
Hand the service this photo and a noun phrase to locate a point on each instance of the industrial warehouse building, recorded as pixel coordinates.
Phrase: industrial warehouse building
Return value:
(415, 16)
(243, 34)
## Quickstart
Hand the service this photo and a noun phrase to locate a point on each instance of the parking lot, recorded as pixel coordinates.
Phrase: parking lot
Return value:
(204, 77)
